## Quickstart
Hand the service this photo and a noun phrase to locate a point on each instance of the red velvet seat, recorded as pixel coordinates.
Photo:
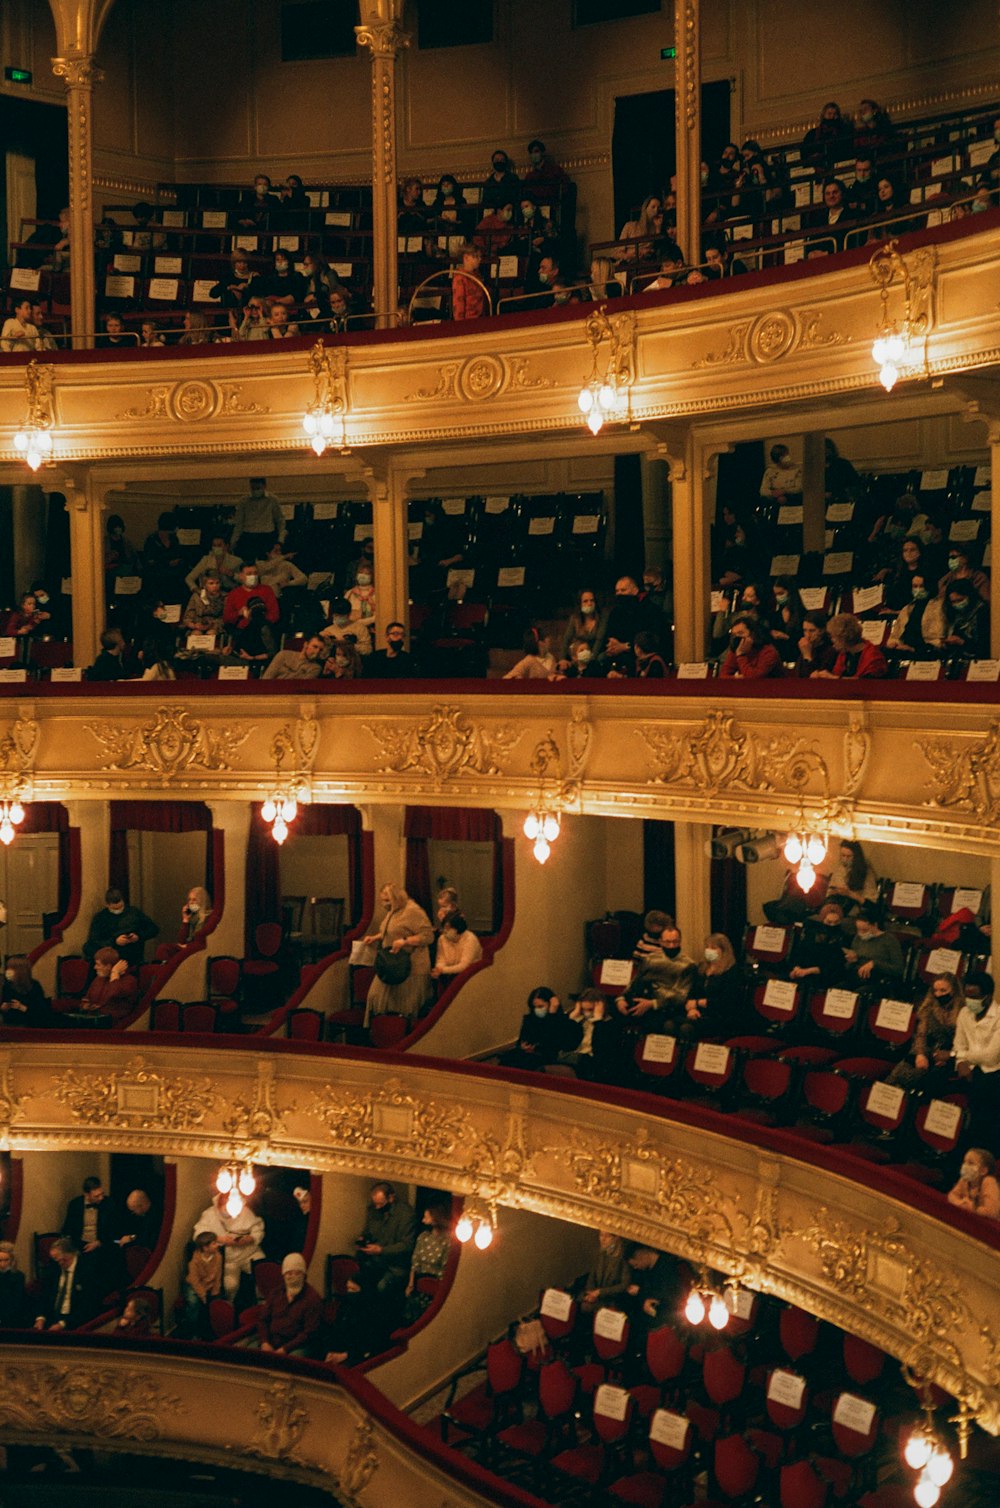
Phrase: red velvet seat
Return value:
(534, 1438)
(767, 946)
(798, 1332)
(666, 1356)
(863, 1362)
(486, 1408)
(612, 1419)
(266, 1276)
(611, 1332)
(656, 1057)
(768, 1088)
(671, 1437)
(778, 1003)
(136, 1260)
(724, 1377)
(834, 1013)
(735, 1467)
(166, 1016)
(304, 1025)
(200, 1016)
(224, 977)
(786, 1399)
(800, 1486)
(387, 1029)
(341, 1269)
(557, 1312)
(826, 1100)
(262, 970)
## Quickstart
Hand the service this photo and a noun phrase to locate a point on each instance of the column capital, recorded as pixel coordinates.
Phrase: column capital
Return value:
(79, 71)
(387, 39)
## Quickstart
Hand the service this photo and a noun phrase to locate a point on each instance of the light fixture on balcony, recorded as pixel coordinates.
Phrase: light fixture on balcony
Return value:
(11, 817)
(477, 1223)
(926, 1451)
(806, 850)
(33, 441)
(325, 421)
(236, 1180)
(895, 347)
(281, 807)
(543, 823)
(705, 1301)
(541, 827)
(606, 395)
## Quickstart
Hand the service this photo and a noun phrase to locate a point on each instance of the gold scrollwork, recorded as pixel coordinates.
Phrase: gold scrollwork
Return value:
(281, 1420)
(257, 1118)
(446, 745)
(360, 1465)
(718, 758)
(482, 377)
(771, 337)
(83, 1400)
(392, 1121)
(192, 401)
(135, 1098)
(172, 741)
(966, 776)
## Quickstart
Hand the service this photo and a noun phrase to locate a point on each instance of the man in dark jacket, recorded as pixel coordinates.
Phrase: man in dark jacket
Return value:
(71, 1288)
(119, 926)
(387, 1240)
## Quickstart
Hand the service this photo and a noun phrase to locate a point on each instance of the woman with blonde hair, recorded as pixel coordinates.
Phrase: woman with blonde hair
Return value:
(929, 1057)
(403, 959)
(12, 1304)
(194, 913)
(648, 226)
(713, 1007)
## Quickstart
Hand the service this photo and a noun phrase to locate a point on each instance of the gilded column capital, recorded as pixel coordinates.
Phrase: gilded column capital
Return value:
(79, 72)
(385, 38)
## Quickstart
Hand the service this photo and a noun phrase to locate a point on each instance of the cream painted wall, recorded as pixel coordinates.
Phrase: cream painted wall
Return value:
(490, 1289)
(51, 1180)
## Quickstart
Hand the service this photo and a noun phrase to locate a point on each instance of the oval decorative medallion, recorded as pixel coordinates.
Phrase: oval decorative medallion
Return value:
(481, 377)
(772, 336)
(194, 400)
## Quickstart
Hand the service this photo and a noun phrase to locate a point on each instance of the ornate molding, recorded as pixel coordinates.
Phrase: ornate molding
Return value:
(771, 337)
(83, 1400)
(721, 758)
(77, 72)
(391, 1120)
(479, 378)
(965, 776)
(360, 1466)
(446, 745)
(385, 38)
(137, 1098)
(256, 1117)
(169, 743)
(282, 1418)
(192, 401)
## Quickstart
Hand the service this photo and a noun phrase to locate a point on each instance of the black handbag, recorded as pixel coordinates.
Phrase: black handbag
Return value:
(392, 968)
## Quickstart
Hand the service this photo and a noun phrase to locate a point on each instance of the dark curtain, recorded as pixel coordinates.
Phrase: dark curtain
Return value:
(446, 824)
(263, 877)
(156, 817)
(659, 884)
(52, 817)
(728, 882)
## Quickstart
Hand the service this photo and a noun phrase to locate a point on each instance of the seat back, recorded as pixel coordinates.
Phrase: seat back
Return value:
(504, 1367)
(766, 946)
(166, 1016)
(361, 981)
(671, 1438)
(800, 1487)
(834, 1012)
(267, 939)
(224, 976)
(666, 1354)
(711, 1066)
(940, 1124)
(556, 1390)
(882, 1108)
(786, 1398)
(855, 1425)
(656, 1056)
(221, 1317)
(778, 1002)
(613, 1409)
(825, 1094)
(863, 1362)
(736, 1466)
(326, 921)
(42, 1243)
(723, 1375)
(798, 1332)
(72, 976)
(611, 1331)
(892, 1022)
(199, 1016)
(266, 1276)
(557, 1312)
(341, 1268)
(293, 909)
(387, 1029)
(929, 962)
(152, 1299)
(907, 902)
(304, 1025)
(768, 1081)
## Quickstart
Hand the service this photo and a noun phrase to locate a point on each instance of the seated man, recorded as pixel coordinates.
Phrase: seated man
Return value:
(251, 611)
(291, 1315)
(386, 1242)
(70, 1288)
(110, 663)
(119, 926)
(876, 957)
(277, 570)
(857, 659)
(655, 1000)
(394, 662)
(258, 205)
(303, 664)
(342, 629)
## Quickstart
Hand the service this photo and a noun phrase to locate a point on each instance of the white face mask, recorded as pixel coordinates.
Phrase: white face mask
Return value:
(584, 656)
(250, 579)
(712, 955)
(193, 906)
(9, 974)
(364, 579)
(969, 1172)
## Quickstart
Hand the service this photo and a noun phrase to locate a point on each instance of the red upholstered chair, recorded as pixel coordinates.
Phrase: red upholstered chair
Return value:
(487, 1407)
(671, 1438)
(798, 1332)
(166, 1016)
(735, 1467)
(266, 1276)
(786, 1399)
(72, 977)
(800, 1487)
(666, 1357)
(225, 976)
(557, 1312)
(200, 1016)
(260, 973)
(136, 1260)
(221, 1318)
(767, 947)
(534, 1439)
(890, 1025)
(826, 1101)
(881, 1114)
(611, 1332)
(863, 1363)
(768, 1091)
(778, 1003)
(711, 1068)
(387, 1029)
(341, 1269)
(834, 1013)
(612, 1420)
(855, 1430)
(724, 1377)
(656, 1059)
(304, 1025)
(347, 1025)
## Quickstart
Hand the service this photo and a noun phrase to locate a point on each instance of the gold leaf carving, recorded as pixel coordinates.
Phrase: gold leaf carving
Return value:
(155, 406)
(230, 401)
(718, 758)
(137, 1098)
(192, 400)
(281, 1420)
(256, 1117)
(168, 743)
(17, 746)
(10, 1103)
(446, 745)
(84, 1400)
(735, 350)
(966, 776)
(443, 388)
(771, 337)
(361, 1463)
(392, 1120)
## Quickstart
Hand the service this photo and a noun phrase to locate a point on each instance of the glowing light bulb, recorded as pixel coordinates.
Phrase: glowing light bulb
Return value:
(309, 423)
(234, 1204)
(541, 849)
(21, 441)
(606, 398)
(6, 832)
(926, 1493)
(269, 811)
(550, 827)
(880, 350)
(44, 442)
(806, 876)
(940, 1467)
(16, 812)
(279, 832)
(531, 826)
(595, 421)
(224, 1180)
(484, 1236)
(793, 848)
(718, 1313)
(585, 402)
(246, 1182)
(917, 1451)
(463, 1230)
(33, 459)
(694, 1309)
(289, 808)
(815, 849)
(895, 348)
(318, 444)
(888, 376)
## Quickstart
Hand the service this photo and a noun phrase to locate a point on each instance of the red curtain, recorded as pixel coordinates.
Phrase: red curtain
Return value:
(52, 817)
(155, 817)
(263, 877)
(449, 824)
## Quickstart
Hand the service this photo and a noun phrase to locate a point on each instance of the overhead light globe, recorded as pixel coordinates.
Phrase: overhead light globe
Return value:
(940, 1468)
(926, 1493)
(463, 1230)
(269, 811)
(917, 1451)
(585, 402)
(234, 1204)
(484, 1236)
(793, 848)
(246, 1182)
(541, 849)
(806, 876)
(694, 1309)
(606, 397)
(224, 1180)
(550, 827)
(595, 421)
(279, 832)
(888, 376)
(531, 826)
(815, 848)
(718, 1312)
(21, 441)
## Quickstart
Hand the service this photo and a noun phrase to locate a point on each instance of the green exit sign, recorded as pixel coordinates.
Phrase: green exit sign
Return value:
(668, 52)
(17, 75)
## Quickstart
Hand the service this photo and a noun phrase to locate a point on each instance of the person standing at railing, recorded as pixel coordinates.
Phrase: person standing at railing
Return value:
(18, 333)
(874, 131)
(468, 299)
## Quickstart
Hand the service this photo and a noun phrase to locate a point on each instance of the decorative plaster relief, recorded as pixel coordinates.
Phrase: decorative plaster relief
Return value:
(168, 743)
(446, 745)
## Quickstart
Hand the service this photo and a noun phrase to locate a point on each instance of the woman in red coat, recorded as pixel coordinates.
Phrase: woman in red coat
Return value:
(752, 655)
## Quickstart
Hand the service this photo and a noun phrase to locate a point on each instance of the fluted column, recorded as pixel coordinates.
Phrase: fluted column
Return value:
(382, 31)
(80, 75)
(84, 501)
(687, 38)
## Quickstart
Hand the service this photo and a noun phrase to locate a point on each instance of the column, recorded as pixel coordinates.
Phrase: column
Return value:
(80, 75)
(692, 563)
(813, 492)
(86, 552)
(387, 490)
(691, 871)
(687, 36)
(994, 434)
(232, 818)
(381, 30)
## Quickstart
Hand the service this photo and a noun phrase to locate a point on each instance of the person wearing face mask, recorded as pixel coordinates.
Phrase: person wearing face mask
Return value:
(406, 929)
(919, 627)
(219, 560)
(752, 654)
(119, 926)
(544, 1032)
(977, 1189)
(343, 664)
(657, 996)
(960, 568)
(587, 624)
(591, 1046)
(789, 614)
(282, 285)
(304, 664)
(713, 1008)
(238, 610)
(502, 186)
(818, 956)
(194, 913)
(495, 230)
(874, 132)
(393, 663)
(966, 620)
(257, 205)
(163, 562)
(22, 1000)
(928, 1062)
(830, 141)
(292, 1312)
(876, 957)
(341, 630)
(783, 478)
(544, 179)
(361, 595)
(977, 1057)
(203, 614)
(257, 522)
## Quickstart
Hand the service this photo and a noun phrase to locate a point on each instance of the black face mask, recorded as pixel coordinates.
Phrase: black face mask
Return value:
(672, 952)
(832, 924)
(944, 999)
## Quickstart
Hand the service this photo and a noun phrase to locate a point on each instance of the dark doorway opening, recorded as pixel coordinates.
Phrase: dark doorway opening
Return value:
(38, 131)
(644, 146)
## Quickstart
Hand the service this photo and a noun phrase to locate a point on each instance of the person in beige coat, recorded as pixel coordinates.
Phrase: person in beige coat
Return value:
(406, 926)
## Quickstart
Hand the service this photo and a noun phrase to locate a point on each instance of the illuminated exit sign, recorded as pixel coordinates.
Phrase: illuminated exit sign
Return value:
(668, 52)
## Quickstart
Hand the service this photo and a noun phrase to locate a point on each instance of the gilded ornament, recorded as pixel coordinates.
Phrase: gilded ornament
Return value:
(482, 377)
(361, 1463)
(155, 406)
(719, 758)
(392, 1120)
(256, 1118)
(169, 743)
(18, 745)
(191, 401)
(87, 1400)
(966, 776)
(282, 1418)
(10, 1103)
(771, 337)
(136, 1098)
(230, 401)
(444, 387)
(447, 744)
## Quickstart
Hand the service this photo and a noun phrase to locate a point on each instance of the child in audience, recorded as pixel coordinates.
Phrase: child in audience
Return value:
(468, 300)
(202, 1283)
(137, 1318)
(977, 1189)
(537, 664)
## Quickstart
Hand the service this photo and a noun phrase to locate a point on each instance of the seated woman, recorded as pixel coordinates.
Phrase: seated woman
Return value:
(27, 618)
(643, 230)
(429, 1259)
(789, 613)
(961, 568)
(919, 628)
(586, 622)
(595, 1037)
(713, 1007)
(752, 654)
(967, 621)
(928, 1061)
(818, 959)
(782, 477)
(194, 913)
(977, 1189)
(608, 1280)
(13, 1305)
(816, 651)
(343, 664)
(649, 662)
(543, 1034)
(852, 879)
(897, 578)
(538, 663)
(457, 948)
(113, 990)
(22, 999)
(857, 659)
(876, 959)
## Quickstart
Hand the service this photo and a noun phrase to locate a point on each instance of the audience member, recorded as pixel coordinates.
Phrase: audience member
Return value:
(861, 196)
(446, 905)
(590, 1037)
(818, 957)
(163, 562)
(960, 568)
(23, 1002)
(70, 1288)
(411, 215)
(197, 331)
(874, 131)
(231, 290)
(587, 624)
(655, 1290)
(341, 630)
(136, 1321)
(121, 926)
(278, 325)
(655, 1000)
(194, 914)
(403, 956)
(752, 654)
(449, 202)
(13, 1302)
(240, 1237)
(93, 1223)
(247, 602)
(205, 611)
(977, 1189)
(385, 1246)
(342, 663)
(853, 880)
(545, 178)
(304, 664)
(141, 1221)
(833, 217)
(292, 1312)
(966, 618)
(608, 1280)
(121, 558)
(537, 662)
(293, 197)
(219, 560)
(857, 658)
(429, 1258)
(543, 1034)
(255, 323)
(977, 1056)
(876, 957)
(468, 297)
(783, 477)
(202, 1283)
(394, 663)
(713, 1007)
(113, 990)
(830, 141)
(114, 337)
(502, 186)
(257, 522)
(928, 1059)
(258, 205)
(649, 663)
(110, 662)
(789, 617)
(18, 333)
(457, 949)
